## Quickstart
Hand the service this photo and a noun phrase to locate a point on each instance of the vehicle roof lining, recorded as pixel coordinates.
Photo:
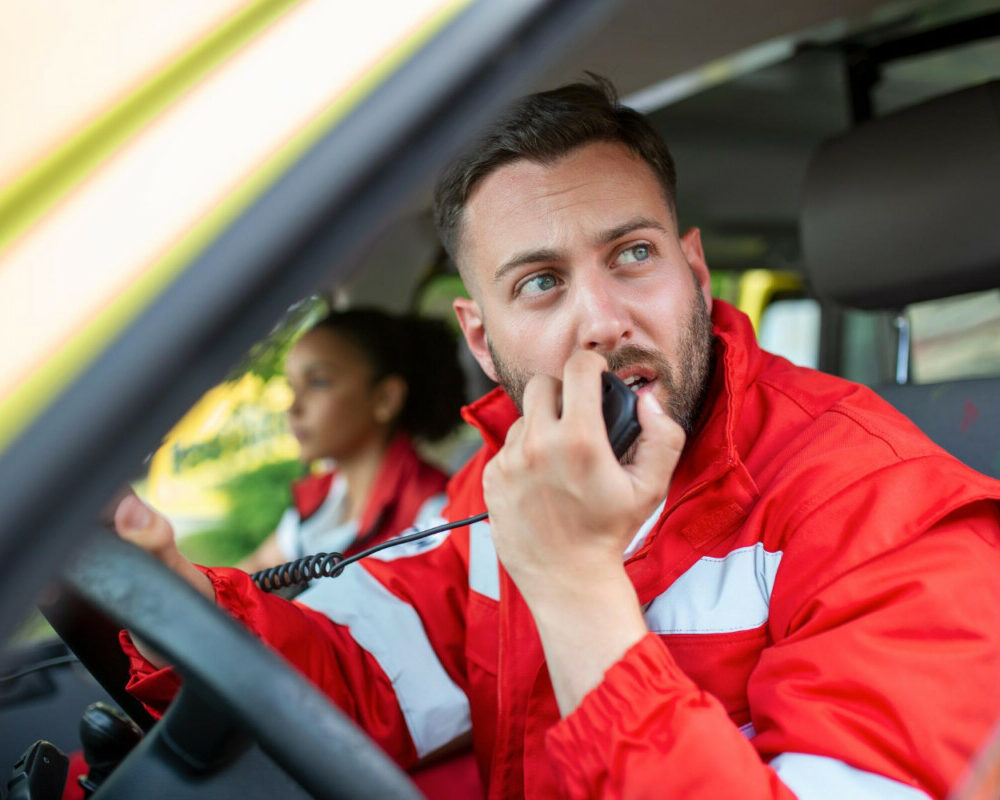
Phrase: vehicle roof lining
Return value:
(903, 208)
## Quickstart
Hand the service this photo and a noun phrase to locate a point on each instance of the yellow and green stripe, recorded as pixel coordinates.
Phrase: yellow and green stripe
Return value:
(65, 168)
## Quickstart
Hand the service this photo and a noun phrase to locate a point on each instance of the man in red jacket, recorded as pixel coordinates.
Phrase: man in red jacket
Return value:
(784, 590)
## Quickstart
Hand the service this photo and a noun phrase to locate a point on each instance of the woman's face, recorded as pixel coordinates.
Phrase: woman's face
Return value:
(334, 413)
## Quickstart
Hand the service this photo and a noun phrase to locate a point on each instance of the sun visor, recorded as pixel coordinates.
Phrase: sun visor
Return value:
(907, 207)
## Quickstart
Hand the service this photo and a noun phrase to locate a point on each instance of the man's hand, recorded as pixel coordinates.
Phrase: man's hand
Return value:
(137, 523)
(563, 510)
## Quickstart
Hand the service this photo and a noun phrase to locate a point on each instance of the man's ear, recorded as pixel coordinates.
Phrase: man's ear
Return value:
(470, 319)
(695, 255)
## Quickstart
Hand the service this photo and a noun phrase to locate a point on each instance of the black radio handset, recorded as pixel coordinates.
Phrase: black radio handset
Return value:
(621, 415)
(621, 419)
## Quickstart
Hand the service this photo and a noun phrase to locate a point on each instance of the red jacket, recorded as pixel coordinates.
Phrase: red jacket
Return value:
(402, 487)
(821, 589)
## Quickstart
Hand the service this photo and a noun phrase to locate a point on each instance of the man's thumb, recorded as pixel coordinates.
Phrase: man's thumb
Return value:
(132, 515)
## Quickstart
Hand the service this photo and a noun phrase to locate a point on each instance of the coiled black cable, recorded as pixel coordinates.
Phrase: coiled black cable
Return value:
(330, 565)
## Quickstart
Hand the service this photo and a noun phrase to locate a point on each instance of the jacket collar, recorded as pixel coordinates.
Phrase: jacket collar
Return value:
(711, 451)
(396, 468)
(492, 415)
(309, 493)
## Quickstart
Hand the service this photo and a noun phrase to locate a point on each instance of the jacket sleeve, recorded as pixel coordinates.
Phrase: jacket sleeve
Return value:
(383, 646)
(881, 682)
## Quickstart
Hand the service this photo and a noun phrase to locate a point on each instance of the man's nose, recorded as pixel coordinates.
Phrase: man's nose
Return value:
(603, 323)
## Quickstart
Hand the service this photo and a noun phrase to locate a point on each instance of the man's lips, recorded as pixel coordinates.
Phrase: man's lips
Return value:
(638, 378)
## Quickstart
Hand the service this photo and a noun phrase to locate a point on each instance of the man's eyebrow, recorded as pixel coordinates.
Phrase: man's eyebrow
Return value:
(626, 228)
(527, 257)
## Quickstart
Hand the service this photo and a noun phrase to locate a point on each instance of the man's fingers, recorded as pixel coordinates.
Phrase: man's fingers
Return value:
(107, 512)
(138, 523)
(658, 447)
(541, 400)
(132, 515)
(582, 388)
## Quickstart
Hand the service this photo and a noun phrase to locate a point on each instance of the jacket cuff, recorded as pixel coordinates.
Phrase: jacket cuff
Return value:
(617, 711)
(156, 687)
(153, 687)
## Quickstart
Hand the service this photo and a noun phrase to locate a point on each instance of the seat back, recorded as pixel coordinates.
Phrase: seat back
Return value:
(906, 208)
(963, 417)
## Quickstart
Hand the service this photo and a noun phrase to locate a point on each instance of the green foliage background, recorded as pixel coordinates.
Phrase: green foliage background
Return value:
(258, 499)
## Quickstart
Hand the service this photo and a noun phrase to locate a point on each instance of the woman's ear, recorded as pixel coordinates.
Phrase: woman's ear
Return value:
(389, 399)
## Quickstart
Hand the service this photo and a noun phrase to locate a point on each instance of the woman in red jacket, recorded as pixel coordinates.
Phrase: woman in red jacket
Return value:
(366, 384)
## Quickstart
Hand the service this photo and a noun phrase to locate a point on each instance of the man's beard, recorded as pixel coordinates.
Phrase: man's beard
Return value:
(685, 390)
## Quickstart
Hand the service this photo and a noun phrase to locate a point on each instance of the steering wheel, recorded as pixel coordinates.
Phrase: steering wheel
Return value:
(231, 681)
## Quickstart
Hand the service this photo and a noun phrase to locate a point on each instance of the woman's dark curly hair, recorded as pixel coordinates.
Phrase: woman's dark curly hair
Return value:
(421, 351)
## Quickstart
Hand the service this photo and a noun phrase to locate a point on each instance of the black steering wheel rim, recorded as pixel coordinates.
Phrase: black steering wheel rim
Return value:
(288, 717)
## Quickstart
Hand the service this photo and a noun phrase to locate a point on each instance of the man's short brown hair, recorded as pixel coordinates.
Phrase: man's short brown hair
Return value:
(544, 127)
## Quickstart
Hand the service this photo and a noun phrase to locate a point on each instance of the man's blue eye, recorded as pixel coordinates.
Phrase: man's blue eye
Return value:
(640, 252)
(538, 284)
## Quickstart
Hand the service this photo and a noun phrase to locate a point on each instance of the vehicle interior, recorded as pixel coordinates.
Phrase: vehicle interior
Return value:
(841, 159)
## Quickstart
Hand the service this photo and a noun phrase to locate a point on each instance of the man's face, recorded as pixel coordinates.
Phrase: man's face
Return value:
(584, 253)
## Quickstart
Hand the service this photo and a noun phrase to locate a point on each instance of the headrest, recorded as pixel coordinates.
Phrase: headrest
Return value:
(907, 207)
